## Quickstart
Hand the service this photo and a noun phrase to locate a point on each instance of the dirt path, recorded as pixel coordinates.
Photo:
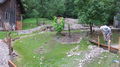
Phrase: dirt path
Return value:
(4, 54)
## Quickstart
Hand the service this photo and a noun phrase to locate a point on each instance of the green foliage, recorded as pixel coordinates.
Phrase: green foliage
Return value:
(44, 8)
(95, 11)
(70, 10)
(58, 24)
(31, 7)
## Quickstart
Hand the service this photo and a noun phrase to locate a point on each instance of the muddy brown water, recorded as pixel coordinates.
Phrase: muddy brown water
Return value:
(114, 38)
(114, 43)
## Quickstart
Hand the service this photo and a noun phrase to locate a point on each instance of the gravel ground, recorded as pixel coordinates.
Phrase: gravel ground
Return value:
(74, 51)
(91, 55)
(4, 54)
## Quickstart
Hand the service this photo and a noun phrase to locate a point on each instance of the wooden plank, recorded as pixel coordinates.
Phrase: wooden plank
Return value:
(112, 49)
(11, 64)
(119, 44)
(98, 41)
(109, 42)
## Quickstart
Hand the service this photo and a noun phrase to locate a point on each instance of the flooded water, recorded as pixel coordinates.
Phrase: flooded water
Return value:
(114, 38)
(106, 59)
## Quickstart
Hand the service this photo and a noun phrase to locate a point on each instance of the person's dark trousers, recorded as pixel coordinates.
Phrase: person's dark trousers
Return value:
(106, 42)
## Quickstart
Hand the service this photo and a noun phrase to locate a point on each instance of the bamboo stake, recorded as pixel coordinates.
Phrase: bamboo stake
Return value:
(119, 43)
(11, 63)
(98, 41)
(109, 44)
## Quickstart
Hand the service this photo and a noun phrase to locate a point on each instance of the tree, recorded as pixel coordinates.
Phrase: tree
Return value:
(70, 10)
(45, 8)
(36, 15)
(95, 11)
(58, 24)
(54, 8)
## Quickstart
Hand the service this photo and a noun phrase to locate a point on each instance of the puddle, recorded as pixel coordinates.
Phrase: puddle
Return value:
(115, 45)
(114, 38)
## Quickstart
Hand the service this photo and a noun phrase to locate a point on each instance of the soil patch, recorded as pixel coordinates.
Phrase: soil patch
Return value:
(66, 39)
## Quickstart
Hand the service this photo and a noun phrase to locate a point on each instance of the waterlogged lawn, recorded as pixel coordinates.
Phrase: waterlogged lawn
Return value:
(42, 50)
(114, 38)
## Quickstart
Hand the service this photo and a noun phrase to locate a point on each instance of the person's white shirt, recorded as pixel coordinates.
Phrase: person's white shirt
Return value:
(105, 29)
(106, 32)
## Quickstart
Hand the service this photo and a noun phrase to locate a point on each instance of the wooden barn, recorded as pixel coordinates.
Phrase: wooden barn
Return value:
(11, 12)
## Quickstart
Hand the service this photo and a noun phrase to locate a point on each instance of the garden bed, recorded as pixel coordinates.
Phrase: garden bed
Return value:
(69, 39)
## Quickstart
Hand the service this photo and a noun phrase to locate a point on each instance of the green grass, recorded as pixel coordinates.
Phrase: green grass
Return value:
(3, 34)
(54, 54)
(31, 22)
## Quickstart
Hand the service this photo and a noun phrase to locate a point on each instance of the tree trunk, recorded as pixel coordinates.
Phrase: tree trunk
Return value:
(69, 30)
(91, 30)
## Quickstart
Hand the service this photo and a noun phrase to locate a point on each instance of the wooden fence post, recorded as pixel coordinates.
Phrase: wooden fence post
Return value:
(11, 64)
(109, 42)
(119, 44)
(69, 30)
(98, 41)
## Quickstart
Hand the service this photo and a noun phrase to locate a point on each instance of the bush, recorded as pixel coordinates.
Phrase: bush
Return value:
(58, 24)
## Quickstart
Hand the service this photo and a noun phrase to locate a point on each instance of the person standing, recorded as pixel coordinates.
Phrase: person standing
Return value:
(106, 31)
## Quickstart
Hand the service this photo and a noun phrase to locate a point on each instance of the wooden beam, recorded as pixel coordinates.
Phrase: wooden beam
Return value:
(98, 41)
(11, 64)
(119, 43)
(112, 49)
(109, 42)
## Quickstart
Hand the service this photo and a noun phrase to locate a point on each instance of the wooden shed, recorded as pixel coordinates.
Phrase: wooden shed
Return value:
(11, 12)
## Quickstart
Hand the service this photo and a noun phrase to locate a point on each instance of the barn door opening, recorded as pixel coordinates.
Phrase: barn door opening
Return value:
(10, 16)
(7, 25)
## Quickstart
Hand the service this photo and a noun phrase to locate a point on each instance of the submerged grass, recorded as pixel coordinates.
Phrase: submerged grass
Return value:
(54, 53)
(42, 50)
